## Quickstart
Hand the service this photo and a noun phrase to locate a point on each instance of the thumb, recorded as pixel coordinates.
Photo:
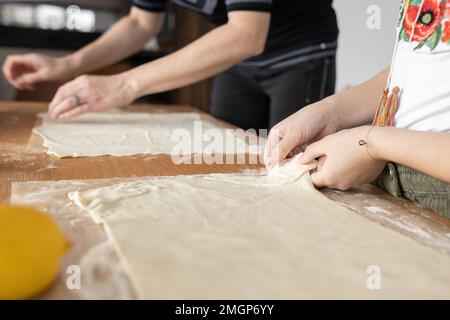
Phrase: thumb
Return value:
(318, 179)
(312, 152)
(283, 148)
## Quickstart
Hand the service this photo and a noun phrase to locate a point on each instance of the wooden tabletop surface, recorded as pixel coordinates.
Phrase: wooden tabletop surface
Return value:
(21, 163)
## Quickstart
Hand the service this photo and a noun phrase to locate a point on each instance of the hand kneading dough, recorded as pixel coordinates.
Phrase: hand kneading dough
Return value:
(126, 134)
(257, 237)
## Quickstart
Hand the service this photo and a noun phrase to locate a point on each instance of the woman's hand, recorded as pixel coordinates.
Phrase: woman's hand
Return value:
(343, 163)
(297, 131)
(25, 71)
(91, 93)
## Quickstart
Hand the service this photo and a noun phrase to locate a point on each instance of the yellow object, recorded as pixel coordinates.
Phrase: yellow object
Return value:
(31, 245)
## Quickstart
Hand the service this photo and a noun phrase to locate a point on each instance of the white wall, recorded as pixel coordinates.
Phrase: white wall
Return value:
(362, 53)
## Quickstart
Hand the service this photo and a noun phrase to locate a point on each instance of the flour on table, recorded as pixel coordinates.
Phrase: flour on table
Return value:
(256, 237)
(377, 210)
(125, 134)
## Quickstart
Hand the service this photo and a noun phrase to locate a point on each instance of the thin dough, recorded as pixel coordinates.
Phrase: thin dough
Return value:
(257, 237)
(131, 133)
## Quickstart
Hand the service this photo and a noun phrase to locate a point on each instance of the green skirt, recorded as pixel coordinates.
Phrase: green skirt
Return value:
(410, 184)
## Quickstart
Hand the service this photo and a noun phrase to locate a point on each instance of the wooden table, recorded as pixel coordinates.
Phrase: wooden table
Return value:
(20, 163)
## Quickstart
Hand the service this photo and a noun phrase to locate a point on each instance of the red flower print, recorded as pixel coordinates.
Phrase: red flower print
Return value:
(446, 32)
(429, 19)
(447, 10)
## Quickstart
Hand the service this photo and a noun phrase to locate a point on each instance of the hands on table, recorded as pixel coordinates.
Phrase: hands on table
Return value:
(88, 94)
(81, 95)
(342, 162)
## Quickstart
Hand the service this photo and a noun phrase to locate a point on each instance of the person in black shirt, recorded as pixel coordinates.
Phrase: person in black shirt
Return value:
(271, 58)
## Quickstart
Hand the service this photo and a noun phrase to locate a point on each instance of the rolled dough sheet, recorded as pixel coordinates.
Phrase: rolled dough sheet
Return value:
(131, 133)
(257, 237)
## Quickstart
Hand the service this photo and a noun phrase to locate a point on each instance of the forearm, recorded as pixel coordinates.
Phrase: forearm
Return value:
(123, 39)
(427, 152)
(357, 105)
(216, 51)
